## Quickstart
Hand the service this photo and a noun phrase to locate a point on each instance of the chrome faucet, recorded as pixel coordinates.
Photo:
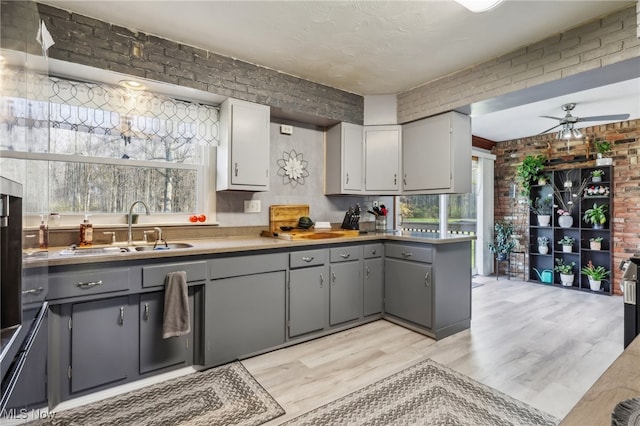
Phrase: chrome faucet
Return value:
(129, 219)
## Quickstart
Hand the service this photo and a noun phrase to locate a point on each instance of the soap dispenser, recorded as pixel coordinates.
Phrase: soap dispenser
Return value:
(86, 232)
(43, 234)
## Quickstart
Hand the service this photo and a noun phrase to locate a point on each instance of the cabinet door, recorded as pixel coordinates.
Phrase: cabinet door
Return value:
(352, 157)
(244, 315)
(307, 300)
(408, 291)
(156, 352)
(382, 158)
(345, 292)
(426, 154)
(249, 144)
(103, 342)
(373, 286)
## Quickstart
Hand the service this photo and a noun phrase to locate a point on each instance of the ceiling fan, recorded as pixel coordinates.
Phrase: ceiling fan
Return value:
(568, 121)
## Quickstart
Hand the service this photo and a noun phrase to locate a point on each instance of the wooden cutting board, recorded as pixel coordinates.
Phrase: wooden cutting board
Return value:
(286, 215)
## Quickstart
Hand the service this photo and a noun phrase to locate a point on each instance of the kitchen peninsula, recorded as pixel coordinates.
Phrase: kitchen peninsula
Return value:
(248, 295)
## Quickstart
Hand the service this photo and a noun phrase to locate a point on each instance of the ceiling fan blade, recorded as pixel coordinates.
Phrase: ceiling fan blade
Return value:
(554, 118)
(548, 130)
(614, 117)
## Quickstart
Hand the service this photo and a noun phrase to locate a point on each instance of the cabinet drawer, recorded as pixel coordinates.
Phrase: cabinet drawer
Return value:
(373, 250)
(247, 265)
(153, 276)
(35, 285)
(301, 259)
(346, 254)
(71, 284)
(409, 252)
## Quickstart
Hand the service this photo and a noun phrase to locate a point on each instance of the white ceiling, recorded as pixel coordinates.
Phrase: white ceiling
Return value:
(375, 47)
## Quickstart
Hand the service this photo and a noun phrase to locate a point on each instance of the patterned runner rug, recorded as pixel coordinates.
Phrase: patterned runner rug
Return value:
(426, 394)
(226, 395)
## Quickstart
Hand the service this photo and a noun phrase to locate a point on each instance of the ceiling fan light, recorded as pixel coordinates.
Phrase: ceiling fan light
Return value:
(577, 133)
(566, 133)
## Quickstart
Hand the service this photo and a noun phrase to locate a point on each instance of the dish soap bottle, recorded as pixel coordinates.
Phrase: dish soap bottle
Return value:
(86, 232)
(43, 234)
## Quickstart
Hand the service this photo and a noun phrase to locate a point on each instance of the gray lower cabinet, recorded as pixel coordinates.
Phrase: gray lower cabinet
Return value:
(104, 342)
(373, 279)
(345, 291)
(155, 352)
(428, 286)
(244, 314)
(408, 291)
(307, 300)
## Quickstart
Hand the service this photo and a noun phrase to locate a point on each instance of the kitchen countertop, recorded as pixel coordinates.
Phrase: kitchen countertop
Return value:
(621, 381)
(233, 244)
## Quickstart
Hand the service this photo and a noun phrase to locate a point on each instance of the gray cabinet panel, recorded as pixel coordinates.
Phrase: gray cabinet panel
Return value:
(244, 314)
(246, 265)
(154, 275)
(373, 286)
(373, 250)
(408, 291)
(305, 258)
(103, 342)
(89, 282)
(345, 292)
(307, 300)
(415, 252)
(156, 352)
(345, 254)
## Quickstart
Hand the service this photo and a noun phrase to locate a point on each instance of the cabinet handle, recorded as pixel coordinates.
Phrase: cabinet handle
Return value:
(366, 272)
(347, 178)
(406, 253)
(373, 252)
(404, 179)
(146, 312)
(89, 284)
(33, 291)
(333, 278)
(235, 169)
(345, 255)
(307, 258)
(121, 321)
(427, 283)
(321, 280)
(395, 178)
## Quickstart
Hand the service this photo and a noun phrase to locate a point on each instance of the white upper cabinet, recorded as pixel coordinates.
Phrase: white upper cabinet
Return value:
(436, 155)
(344, 159)
(243, 151)
(382, 159)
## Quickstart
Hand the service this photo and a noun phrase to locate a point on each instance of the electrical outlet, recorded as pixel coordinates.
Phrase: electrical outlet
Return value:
(376, 203)
(252, 206)
(285, 129)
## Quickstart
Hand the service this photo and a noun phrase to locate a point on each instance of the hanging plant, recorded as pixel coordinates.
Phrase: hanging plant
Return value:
(529, 172)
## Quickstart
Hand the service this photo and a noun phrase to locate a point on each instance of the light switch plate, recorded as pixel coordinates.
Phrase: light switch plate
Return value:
(252, 206)
(285, 129)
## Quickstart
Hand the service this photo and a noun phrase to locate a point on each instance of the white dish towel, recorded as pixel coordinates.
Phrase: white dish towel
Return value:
(176, 305)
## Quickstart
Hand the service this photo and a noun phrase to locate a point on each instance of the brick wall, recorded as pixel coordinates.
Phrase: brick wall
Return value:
(625, 138)
(94, 43)
(601, 42)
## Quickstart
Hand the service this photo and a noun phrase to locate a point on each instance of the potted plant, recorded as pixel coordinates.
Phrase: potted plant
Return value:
(542, 208)
(566, 272)
(596, 215)
(595, 243)
(502, 241)
(529, 171)
(595, 274)
(543, 179)
(596, 175)
(603, 148)
(567, 243)
(565, 220)
(543, 248)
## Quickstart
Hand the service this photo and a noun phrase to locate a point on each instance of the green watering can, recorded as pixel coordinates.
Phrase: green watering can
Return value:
(545, 276)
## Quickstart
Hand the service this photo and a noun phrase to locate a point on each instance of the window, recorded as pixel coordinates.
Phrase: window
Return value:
(82, 147)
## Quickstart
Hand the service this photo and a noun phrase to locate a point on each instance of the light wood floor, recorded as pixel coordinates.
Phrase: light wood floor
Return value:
(542, 345)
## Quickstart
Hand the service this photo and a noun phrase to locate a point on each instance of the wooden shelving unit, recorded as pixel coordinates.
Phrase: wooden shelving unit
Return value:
(581, 253)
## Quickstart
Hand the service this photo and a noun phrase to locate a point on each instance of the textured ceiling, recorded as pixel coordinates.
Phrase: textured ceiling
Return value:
(364, 47)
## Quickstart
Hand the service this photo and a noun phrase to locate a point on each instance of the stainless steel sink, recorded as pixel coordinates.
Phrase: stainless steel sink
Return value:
(91, 251)
(159, 247)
